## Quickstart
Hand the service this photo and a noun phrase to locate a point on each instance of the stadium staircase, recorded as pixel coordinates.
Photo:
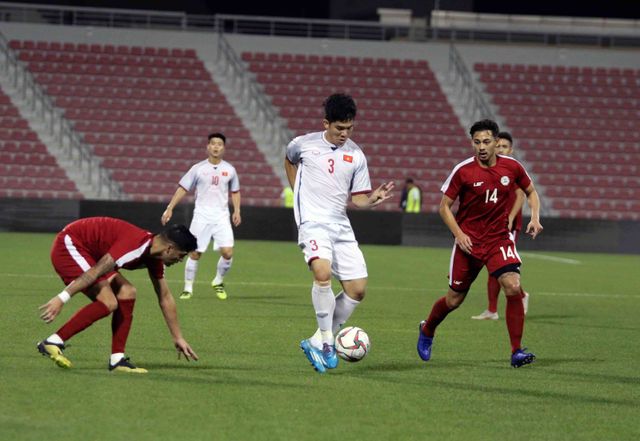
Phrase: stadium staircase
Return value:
(146, 112)
(577, 129)
(27, 169)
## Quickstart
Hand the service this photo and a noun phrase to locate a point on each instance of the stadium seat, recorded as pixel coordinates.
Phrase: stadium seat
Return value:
(548, 114)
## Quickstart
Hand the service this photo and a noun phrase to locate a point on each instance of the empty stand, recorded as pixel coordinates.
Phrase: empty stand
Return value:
(405, 124)
(577, 128)
(27, 170)
(147, 112)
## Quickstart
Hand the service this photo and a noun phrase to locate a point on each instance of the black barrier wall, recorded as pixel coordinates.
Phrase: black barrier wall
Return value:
(371, 226)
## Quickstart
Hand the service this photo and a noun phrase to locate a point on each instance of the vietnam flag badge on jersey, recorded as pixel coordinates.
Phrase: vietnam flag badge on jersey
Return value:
(347, 158)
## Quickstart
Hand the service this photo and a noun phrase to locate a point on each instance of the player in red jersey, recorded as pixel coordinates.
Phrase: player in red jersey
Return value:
(505, 147)
(87, 255)
(484, 184)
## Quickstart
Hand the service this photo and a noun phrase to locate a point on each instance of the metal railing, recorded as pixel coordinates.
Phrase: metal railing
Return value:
(37, 102)
(260, 111)
(477, 106)
(419, 30)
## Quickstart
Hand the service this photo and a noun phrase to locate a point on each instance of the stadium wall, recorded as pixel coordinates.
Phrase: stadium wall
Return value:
(371, 227)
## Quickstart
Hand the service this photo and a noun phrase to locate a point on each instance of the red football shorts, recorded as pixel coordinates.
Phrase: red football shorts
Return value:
(464, 268)
(70, 259)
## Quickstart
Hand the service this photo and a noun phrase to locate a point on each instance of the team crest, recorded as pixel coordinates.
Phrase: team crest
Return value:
(504, 180)
(224, 173)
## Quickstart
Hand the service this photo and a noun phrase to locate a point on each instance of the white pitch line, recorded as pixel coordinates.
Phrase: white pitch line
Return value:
(584, 294)
(371, 287)
(552, 258)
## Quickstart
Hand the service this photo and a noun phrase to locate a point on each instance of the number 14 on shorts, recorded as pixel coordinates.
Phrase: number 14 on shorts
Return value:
(508, 253)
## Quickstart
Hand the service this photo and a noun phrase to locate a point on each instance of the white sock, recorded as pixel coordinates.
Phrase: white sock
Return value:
(316, 339)
(116, 358)
(345, 306)
(190, 271)
(55, 339)
(223, 267)
(324, 303)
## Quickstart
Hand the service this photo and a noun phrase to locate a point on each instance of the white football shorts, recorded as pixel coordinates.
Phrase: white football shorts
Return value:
(220, 232)
(335, 243)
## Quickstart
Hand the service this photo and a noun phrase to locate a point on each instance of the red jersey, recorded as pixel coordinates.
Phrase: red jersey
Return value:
(127, 244)
(486, 196)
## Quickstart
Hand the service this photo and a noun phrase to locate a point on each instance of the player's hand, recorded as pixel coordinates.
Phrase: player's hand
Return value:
(236, 219)
(381, 194)
(183, 348)
(50, 310)
(534, 228)
(464, 243)
(166, 216)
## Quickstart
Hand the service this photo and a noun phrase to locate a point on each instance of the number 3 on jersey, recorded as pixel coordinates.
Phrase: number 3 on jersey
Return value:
(331, 165)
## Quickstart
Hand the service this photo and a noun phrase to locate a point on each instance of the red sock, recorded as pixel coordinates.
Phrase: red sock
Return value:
(439, 312)
(515, 321)
(121, 324)
(82, 319)
(493, 290)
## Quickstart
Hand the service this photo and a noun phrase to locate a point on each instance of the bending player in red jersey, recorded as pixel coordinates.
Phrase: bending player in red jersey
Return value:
(484, 184)
(505, 147)
(87, 255)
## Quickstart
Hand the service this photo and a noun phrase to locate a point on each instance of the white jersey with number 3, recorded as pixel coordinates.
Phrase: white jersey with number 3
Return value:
(327, 176)
(212, 184)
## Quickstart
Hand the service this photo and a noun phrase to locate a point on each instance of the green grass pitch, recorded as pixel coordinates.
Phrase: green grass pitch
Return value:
(253, 383)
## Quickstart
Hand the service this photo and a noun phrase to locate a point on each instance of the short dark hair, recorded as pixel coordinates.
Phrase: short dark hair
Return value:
(506, 135)
(485, 124)
(217, 135)
(340, 107)
(408, 181)
(181, 237)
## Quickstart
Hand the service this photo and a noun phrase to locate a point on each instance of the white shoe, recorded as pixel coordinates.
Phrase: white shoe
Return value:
(525, 302)
(486, 315)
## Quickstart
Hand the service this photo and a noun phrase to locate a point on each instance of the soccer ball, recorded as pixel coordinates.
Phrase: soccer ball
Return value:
(352, 343)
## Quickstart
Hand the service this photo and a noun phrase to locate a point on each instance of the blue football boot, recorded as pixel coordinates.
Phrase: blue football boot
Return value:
(520, 358)
(329, 356)
(424, 343)
(313, 355)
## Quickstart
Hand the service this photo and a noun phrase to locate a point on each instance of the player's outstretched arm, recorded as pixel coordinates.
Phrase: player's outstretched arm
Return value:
(534, 227)
(375, 198)
(50, 310)
(170, 313)
(175, 200)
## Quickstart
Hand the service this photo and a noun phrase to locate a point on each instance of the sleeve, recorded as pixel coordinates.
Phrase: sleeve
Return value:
(294, 151)
(361, 182)
(522, 177)
(188, 181)
(234, 183)
(453, 184)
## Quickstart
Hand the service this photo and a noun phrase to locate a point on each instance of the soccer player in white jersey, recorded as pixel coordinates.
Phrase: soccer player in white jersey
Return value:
(211, 179)
(325, 169)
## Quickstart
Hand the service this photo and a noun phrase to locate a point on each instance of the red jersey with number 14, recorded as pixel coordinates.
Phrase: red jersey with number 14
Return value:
(485, 195)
